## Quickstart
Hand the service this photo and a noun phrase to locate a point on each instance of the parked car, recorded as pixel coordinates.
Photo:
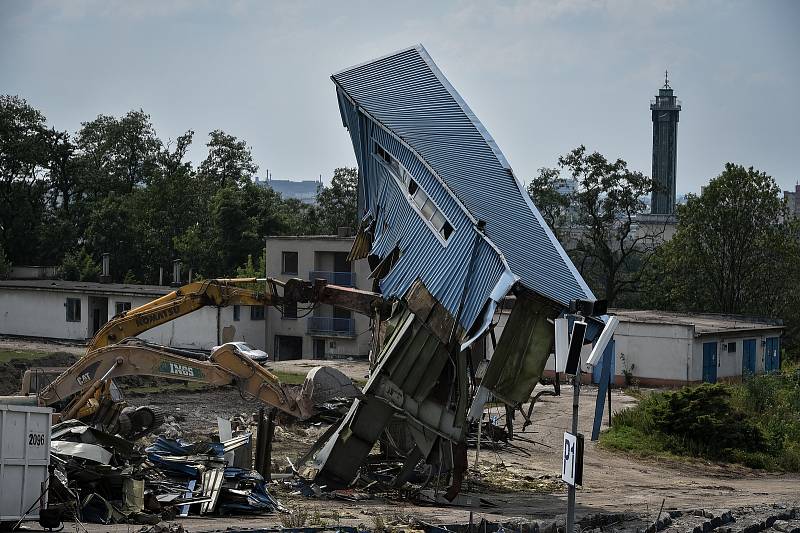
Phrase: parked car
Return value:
(253, 353)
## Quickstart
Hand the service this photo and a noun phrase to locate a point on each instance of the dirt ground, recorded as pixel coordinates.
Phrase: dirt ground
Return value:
(612, 482)
(17, 343)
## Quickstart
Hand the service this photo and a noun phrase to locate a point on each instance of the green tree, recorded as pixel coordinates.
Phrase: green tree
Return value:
(79, 266)
(24, 156)
(118, 154)
(734, 251)
(552, 204)
(229, 161)
(609, 252)
(337, 204)
(300, 218)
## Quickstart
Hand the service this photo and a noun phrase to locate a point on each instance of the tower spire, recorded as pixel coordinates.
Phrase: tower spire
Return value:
(666, 79)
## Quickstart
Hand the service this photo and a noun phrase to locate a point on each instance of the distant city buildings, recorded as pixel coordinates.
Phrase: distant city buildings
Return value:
(305, 190)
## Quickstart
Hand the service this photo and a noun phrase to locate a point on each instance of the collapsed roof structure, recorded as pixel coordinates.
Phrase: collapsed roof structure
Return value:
(449, 232)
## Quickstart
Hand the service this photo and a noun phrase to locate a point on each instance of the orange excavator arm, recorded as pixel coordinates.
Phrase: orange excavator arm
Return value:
(180, 302)
(224, 292)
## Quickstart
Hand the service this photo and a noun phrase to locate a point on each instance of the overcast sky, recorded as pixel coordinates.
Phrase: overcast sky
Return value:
(543, 77)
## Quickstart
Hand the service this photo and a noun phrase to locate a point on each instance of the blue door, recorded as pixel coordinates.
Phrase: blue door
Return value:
(710, 362)
(772, 358)
(749, 357)
(608, 353)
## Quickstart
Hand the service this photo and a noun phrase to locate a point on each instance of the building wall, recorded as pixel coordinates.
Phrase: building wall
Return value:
(41, 313)
(671, 354)
(729, 364)
(310, 258)
(654, 351)
(37, 313)
(423, 255)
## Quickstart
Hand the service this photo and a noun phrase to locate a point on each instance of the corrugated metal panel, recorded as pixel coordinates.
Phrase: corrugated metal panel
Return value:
(407, 94)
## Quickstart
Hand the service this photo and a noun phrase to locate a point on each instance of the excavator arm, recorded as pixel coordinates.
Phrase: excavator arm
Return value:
(134, 358)
(224, 292)
(180, 302)
(105, 359)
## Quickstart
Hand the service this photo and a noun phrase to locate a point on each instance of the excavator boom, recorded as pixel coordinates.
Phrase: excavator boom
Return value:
(134, 358)
(109, 355)
(180, 302)
(224, 292)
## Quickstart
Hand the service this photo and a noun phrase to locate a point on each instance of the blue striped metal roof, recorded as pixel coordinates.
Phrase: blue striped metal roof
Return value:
(408, 96)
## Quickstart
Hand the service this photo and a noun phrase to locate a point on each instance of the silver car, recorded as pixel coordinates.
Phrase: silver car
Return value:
(259, 356)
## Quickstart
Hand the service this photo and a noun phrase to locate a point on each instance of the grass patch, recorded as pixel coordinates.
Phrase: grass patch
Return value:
(755, 423)
(289, 378)
(8, 355)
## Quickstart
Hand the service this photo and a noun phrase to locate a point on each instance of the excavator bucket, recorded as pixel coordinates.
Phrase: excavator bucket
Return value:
(324, 383)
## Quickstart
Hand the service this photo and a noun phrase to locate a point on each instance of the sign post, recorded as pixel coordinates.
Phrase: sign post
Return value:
(572, 461)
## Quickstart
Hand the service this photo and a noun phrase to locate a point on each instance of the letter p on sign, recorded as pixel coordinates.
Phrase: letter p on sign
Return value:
(572, 461)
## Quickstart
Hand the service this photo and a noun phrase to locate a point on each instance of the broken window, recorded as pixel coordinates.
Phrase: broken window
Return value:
(423, 203)
(73, 306)
(121, 307)
(237, 313)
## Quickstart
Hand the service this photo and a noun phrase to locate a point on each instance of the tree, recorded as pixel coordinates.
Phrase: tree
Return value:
(609, 251)
(79, 266)
(734, 250)
(229, 161)
(24, 157)
(338, 203)
(118, 154)
(552, 203)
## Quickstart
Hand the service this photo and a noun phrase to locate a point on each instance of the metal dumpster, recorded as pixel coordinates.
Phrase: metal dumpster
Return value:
(24, 458)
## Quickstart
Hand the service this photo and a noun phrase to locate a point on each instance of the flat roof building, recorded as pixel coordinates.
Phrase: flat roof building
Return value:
(76, 310)
(666, 348)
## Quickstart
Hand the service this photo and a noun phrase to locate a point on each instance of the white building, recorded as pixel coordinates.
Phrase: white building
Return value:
(662, 348)
(323, 331)
(72, 310)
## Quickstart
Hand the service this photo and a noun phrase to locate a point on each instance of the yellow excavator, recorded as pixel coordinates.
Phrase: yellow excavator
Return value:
(115, 352)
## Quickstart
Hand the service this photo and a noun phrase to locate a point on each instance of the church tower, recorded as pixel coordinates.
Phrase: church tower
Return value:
(665, 109)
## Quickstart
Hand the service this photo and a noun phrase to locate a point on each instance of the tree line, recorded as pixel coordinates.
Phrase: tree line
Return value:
(735, 250)
(114, 186)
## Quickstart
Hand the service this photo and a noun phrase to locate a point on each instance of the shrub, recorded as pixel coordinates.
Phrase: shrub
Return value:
(79, 266)
(756, 423)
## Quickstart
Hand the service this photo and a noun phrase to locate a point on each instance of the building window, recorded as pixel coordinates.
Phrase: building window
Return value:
(237, 313)
(256, 312)
(290, 310)
(424, 205)
(731, 347)
(73, 306)
(289, 263)
(121, 307)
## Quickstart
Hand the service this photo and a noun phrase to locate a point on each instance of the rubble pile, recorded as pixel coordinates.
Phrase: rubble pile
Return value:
(98, 477)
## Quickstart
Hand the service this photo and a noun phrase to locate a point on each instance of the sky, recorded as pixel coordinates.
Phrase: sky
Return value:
(542, 76)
